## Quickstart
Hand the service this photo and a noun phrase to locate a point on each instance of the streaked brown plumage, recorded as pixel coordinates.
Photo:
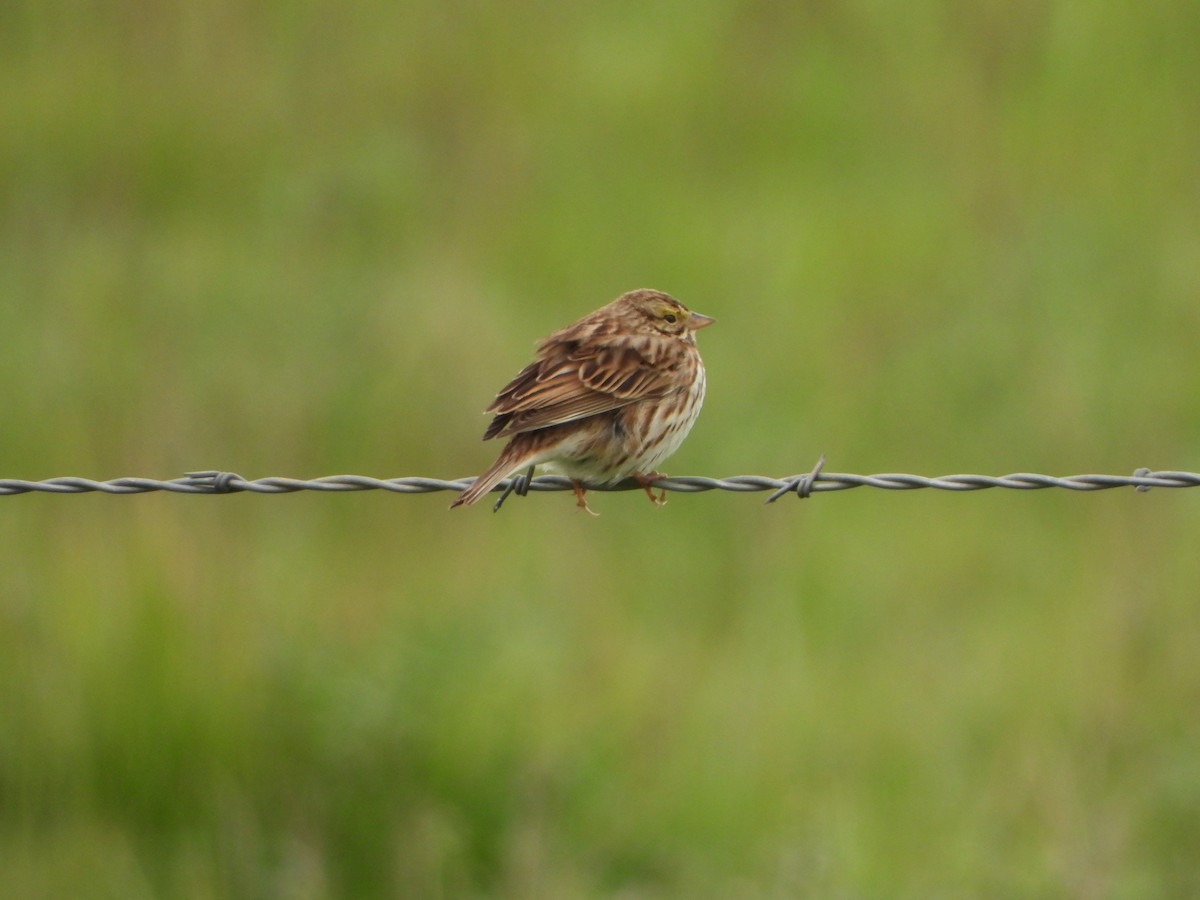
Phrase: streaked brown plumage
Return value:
(610, 396)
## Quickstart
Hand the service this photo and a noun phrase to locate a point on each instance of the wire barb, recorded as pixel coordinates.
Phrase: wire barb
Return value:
(815, 481)
(801, 484)
(1141, 473)
(520, 484)
(217, 482)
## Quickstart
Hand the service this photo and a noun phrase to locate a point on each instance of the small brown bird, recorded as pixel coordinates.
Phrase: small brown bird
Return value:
(611, 396)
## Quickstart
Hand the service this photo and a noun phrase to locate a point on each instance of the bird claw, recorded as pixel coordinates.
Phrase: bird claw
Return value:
(647, 483)
(580, 500)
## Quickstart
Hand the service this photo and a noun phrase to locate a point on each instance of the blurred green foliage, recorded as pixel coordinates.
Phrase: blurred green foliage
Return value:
(311, 238)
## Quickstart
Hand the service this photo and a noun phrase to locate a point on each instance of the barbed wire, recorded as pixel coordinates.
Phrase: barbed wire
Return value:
(804, 485)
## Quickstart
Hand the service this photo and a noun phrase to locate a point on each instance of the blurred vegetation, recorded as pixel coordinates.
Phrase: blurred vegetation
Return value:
(311, 238)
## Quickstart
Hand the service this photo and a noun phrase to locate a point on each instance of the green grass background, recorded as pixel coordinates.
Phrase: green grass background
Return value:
(313, 238)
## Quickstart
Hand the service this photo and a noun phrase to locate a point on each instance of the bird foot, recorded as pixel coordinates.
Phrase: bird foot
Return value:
(580, 501)
(646, 481)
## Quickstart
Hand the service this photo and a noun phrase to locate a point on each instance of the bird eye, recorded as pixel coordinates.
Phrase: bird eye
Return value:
(670, 317)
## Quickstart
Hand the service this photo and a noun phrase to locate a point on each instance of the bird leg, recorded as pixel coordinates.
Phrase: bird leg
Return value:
(646, 481)
(580, 490)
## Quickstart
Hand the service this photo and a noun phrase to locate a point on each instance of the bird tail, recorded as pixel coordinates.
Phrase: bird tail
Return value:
(513, 457)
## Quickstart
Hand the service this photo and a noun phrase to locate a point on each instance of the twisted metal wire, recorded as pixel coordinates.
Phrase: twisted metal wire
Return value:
(816, 481)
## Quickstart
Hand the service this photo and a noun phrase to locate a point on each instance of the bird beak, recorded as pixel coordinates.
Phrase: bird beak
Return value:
(699, 320)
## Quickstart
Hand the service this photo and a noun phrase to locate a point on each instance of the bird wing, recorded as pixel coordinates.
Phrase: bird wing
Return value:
(572, 381)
